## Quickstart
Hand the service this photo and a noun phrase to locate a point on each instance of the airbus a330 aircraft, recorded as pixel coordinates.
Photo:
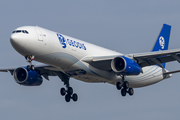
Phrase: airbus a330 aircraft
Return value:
(67, 57)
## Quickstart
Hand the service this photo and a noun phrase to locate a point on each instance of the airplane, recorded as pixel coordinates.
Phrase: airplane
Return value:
(68, 57)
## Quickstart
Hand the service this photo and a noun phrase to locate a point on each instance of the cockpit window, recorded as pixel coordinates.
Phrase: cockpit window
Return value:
(21, 31)
(18, 31)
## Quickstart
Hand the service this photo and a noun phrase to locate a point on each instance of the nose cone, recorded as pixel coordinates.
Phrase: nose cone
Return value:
(17, 42)
(14, 39)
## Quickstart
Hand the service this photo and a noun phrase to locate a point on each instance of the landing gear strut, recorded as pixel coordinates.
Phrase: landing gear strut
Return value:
(68, 92)
(29, 59)
(124, 87)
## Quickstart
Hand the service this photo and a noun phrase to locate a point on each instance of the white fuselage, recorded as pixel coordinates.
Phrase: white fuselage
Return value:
(49, 47)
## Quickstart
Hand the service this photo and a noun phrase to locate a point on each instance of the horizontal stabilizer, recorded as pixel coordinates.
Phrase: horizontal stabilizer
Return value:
(171, 72)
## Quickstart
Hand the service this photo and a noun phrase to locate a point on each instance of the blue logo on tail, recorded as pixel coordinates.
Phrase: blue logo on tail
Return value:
(162, 42)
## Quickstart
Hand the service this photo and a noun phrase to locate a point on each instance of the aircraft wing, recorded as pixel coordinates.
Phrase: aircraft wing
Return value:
(143, 59)
(42, 69)
(157, 57)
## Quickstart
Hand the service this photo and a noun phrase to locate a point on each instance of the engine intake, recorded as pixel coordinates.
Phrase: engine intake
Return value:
(27, 78)
(125, 66)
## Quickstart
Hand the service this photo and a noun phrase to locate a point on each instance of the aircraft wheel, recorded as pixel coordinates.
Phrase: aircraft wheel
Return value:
(123, 92)
(63, 91)
(118, 85)
(67, 98)
(28, 68)
(131, 91)
(126, 84)
(32, 67)
(70, 90)
(74, 97)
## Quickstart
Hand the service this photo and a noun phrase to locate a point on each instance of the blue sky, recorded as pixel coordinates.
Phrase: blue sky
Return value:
(123, 26)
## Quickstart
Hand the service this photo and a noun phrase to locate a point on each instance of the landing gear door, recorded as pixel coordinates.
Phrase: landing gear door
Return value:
(39, 34)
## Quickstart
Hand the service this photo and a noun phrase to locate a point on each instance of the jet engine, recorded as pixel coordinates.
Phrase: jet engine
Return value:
(27, 78)
(125, 66)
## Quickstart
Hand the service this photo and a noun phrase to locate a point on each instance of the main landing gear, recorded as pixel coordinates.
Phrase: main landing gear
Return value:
(124, 87)
(29, 59)
(68, 92)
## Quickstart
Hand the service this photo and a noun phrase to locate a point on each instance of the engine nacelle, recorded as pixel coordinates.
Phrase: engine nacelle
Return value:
(27, 78)
(125, 66)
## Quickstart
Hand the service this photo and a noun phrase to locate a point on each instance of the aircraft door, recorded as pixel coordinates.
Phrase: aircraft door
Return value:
(39, 34)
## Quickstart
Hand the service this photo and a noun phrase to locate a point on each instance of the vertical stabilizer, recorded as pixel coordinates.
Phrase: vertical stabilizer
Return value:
(162, 41)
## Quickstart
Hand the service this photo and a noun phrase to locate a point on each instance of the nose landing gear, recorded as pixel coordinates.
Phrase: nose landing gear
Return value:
(29, 59)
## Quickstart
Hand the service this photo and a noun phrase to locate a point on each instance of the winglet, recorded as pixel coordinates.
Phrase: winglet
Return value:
(162, 41)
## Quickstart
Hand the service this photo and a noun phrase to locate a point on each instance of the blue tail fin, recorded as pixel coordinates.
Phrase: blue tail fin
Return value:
(162, 41)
